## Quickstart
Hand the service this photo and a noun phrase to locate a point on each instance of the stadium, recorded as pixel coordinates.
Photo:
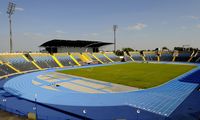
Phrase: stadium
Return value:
(34, 84)
(86, 79)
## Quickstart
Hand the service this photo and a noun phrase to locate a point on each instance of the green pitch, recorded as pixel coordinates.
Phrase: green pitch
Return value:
(140, 75)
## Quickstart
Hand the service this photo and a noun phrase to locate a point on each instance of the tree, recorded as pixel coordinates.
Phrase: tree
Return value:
(127, 49)
(119, 53)
(179, 48)
(165, 48)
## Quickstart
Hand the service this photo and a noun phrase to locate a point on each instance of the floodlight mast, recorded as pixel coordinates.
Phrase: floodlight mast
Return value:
(10, 12)
(114, 30)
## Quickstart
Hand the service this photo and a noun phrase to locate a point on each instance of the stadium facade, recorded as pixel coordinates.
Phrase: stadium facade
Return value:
(61, 46)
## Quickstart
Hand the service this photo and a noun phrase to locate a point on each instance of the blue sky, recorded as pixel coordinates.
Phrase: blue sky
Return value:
(143, 24)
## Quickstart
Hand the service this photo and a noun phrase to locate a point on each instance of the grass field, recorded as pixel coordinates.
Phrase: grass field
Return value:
(140, 75)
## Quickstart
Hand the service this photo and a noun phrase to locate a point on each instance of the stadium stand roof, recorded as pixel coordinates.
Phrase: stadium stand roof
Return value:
(74, 43)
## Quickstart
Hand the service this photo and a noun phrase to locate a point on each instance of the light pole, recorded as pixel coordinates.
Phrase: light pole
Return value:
(4, 101)
(35, 107)
(84, 112)
(10, 11)
(114, 30)
(138, 112)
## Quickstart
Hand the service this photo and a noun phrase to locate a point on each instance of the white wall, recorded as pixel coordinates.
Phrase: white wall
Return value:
(74, 49)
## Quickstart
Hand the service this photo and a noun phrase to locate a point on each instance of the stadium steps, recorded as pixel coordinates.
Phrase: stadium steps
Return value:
(57, 61)
(36, 65)
(128, 56)
(79, 58)
(28, 60)
(131, 58)
(64, 59)
(158, 57)
(150, 55)
(44, 60)
(25, 58)
(136, 56)
(18, 71)
(87, 56)
(97, 58)
(198, 60)
(174, 58)
(144, 58)
(71, 56)
(84, 58)
(190, 59)
(175, 55)
(108, 57)
(90, 57)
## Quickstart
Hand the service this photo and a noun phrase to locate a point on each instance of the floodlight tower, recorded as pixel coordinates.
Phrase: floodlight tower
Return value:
(114, 30)
(10, 12)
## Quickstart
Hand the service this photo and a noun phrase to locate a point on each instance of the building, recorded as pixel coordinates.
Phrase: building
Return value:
(59, 46)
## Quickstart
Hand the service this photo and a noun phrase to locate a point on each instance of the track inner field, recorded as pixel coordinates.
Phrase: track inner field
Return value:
(139, 75)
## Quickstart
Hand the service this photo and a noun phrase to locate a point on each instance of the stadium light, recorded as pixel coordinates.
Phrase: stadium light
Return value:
(114, 30)
(10, 12)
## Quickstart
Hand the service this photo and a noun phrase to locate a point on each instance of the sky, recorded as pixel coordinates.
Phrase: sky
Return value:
(142, 24)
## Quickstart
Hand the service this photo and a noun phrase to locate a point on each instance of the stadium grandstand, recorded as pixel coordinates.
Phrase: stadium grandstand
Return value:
(136, 56)
(150, 56)
(24, 62)
(112, 57)
(18, 61)
(166, 56)
(64, 59)
(184, 56)
(196, 57)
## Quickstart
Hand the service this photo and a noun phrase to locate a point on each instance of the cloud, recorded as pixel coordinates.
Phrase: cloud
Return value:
(19, 9)
(90, 34)
(84, 34)
(164, 22)
(60, 32)
(138, 26)
(0, 12)
(183, 27)
(193, 17)
(94, 34)
(198, 26)
(35, 36)
(29, 34)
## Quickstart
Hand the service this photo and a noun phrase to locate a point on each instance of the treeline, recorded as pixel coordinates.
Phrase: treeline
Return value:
(186, 49)
(121, 52)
